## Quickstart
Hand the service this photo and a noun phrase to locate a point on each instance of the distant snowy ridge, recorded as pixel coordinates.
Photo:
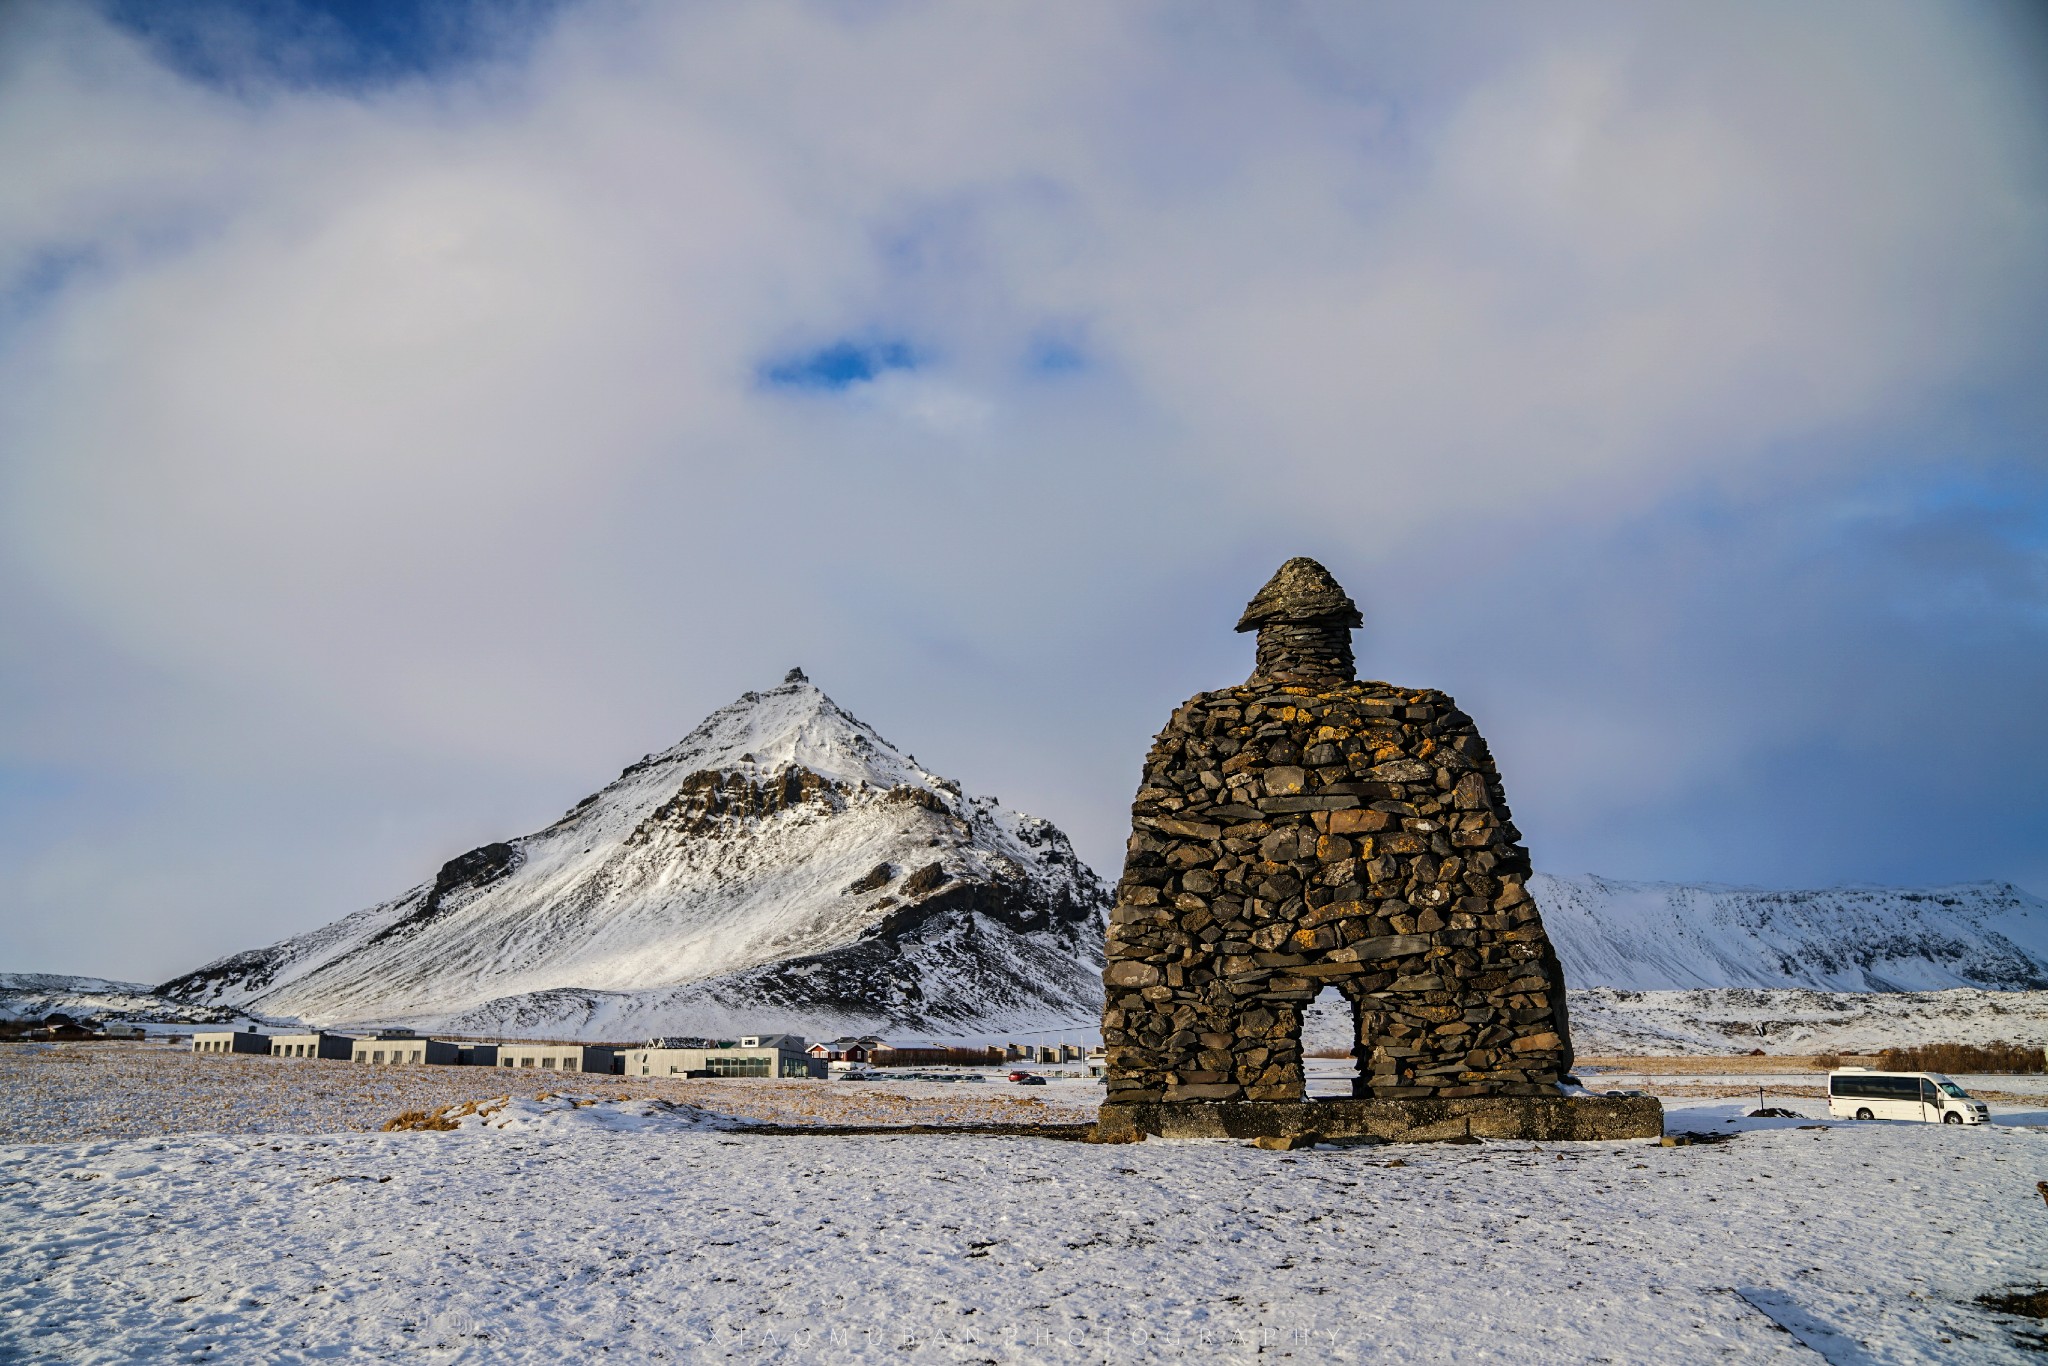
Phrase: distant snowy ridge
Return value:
(57, 981)
(1798, 1021)
(38, 995)
(1660, 936)
(782, 862)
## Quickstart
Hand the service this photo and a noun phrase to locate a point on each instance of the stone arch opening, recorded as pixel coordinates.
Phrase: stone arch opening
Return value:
(1332, 1049)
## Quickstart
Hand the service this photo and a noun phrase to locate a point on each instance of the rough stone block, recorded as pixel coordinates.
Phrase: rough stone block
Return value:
(1545, 1118)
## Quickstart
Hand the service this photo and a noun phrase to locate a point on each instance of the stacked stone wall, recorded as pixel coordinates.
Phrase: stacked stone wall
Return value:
(1290, 835)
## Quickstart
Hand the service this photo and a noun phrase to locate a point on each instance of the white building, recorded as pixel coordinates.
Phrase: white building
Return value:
(231, 1041)
(406, 1048)
(559, 1057)
(760, 1055)
(318, 1044)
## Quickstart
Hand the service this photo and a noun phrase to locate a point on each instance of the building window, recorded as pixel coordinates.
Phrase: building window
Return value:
(736, 1067)
(416, 1055)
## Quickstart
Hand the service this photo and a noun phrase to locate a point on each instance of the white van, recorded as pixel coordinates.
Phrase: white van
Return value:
(1859, 1093)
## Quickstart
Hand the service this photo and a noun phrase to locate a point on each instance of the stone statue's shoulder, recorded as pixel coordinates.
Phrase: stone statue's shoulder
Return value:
(1378, 691)
(1222, 699)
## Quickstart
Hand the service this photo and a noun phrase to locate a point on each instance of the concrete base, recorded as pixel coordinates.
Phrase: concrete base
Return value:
(1551, 1118)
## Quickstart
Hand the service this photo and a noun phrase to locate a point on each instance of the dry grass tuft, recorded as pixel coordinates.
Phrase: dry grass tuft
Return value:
(445, 1119)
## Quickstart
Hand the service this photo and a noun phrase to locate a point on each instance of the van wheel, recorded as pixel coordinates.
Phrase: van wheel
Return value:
(1865, 1114)
(1951, 1118)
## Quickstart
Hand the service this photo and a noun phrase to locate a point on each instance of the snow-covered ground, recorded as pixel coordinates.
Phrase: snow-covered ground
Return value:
(641, 1240)
(56, 1092)
(647, 1230)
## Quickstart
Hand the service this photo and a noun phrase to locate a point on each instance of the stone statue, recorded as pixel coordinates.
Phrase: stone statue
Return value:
(1303, 830)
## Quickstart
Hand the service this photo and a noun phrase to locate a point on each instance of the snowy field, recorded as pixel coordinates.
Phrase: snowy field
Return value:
(646, 1230)
(55, 1092)
(576, 1237)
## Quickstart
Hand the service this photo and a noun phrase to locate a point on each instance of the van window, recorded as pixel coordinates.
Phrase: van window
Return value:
(1875, 1088)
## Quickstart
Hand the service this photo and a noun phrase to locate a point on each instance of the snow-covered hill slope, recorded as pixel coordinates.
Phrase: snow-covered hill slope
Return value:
(1655, 936)
(97, 1000)
(782, 864)
(1739, 1019)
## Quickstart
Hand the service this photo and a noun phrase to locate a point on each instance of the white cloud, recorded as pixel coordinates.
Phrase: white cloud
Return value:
(429, 419)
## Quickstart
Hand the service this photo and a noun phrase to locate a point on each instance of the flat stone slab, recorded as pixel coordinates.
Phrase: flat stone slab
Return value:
(1547, 1118)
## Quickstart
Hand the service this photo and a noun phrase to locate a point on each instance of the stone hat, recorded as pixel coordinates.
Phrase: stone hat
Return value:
(1302, 591)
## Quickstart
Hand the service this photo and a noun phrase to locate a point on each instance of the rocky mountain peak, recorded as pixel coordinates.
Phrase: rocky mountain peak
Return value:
(783, 857)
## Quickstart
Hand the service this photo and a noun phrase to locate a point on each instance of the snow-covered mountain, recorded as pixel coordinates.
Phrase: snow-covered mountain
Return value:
(1798, 1020)
(782, 865)
(1655, 936)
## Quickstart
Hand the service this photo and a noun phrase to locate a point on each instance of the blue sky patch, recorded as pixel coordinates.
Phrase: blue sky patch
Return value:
(840, 365)
(1053, 356)
(348, 45)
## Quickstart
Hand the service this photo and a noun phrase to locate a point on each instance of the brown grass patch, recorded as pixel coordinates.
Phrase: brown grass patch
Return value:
(443, 1120)
(2010, 1059)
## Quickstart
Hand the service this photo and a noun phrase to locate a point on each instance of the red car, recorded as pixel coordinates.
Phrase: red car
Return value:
(1020, 1076)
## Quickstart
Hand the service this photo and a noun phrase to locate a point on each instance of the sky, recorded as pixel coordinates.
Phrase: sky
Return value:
(412, 413)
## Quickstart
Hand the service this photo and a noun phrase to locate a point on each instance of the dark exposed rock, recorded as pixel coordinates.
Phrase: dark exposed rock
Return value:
(875, 878)
(926, 879)
(714, 798)
(477, 868)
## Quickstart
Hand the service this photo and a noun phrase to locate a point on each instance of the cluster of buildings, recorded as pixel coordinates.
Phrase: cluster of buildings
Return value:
(760, 1055)
(756, 1055)
(874, 1051)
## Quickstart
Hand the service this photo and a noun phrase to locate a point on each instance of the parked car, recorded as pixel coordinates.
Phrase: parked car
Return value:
(1019, 1075)
(1029, 1080)
(1930, 1097)
(856, 1074)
